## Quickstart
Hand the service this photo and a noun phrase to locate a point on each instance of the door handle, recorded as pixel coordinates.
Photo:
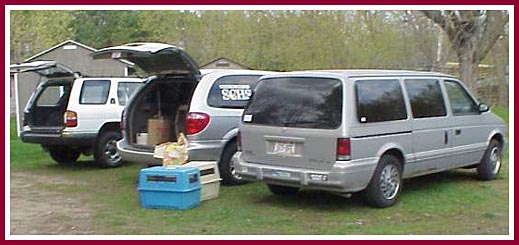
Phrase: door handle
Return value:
(446, 138)
(457, 131)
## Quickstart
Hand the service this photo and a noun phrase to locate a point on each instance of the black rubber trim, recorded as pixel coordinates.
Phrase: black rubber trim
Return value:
(386, 134)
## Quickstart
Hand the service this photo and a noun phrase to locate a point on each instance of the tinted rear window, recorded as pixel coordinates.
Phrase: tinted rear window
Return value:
(379, 101)
(296, 102)
(232, 91)
(426, 98)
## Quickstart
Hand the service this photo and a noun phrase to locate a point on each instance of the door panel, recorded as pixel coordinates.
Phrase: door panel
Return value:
(469, 132)
(431, 135)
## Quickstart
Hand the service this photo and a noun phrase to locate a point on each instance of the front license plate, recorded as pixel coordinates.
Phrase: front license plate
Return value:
(285, 148)
(282, 174)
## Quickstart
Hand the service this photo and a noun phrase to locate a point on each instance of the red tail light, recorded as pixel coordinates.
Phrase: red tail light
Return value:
(238, 141)
(196, 122)
(343, 149)
(121, 124)
(70, 119)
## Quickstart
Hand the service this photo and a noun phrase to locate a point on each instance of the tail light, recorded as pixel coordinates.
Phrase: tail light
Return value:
(70, 119)
(121, 124)
(238, 141)
(343, 149)
(196, 122)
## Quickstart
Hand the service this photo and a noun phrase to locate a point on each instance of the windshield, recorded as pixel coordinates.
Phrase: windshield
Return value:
(300, 102)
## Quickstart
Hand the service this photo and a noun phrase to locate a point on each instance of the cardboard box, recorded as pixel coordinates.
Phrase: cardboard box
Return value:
(158, 131)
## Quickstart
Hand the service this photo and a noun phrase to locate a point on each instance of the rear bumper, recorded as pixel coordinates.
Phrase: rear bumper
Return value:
(131, 154)
(66, 139)
(205, 150)
(197, 150)
(346, 177)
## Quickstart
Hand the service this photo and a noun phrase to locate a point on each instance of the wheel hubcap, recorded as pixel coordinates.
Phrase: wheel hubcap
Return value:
(389, 181)
(111, 152)
(233, 170)
(495, 160)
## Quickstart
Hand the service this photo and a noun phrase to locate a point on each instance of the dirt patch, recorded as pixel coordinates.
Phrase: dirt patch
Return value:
(36, 210)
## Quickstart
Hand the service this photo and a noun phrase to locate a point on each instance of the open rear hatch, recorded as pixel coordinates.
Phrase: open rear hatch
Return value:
(157, 112)
(47, 104)
(153, 58)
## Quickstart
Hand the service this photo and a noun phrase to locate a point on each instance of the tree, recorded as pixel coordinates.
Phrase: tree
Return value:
(35, 31)
(472, 34)
(100, 28)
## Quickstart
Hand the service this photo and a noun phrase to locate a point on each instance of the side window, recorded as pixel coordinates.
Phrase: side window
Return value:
(461, 102)
(379, 101)
(51, 96)
(94, 92)
(125, 90)
(232, 91)
(426, 98)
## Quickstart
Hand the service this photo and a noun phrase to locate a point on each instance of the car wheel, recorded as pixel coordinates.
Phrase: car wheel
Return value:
(490, 165)
(106, 153)
(282, 190)
(226, 166)
(64, 155)
(386, 184)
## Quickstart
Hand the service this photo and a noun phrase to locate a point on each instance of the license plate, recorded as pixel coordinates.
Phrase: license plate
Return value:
(285, 148)
(279, 173)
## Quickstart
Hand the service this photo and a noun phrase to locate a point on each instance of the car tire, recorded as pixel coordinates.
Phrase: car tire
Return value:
(105, 153)
(64, 155)
(490, 165)
(386, 184)
(226, 166)
(283, 190)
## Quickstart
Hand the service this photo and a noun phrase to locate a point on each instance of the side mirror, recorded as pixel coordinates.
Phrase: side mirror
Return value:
(483, 108)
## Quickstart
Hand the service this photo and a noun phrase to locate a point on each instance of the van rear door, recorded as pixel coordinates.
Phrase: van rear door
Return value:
(293, 122)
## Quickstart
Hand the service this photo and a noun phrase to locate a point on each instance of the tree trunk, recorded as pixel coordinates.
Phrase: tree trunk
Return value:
(468, 59)
(468, 70)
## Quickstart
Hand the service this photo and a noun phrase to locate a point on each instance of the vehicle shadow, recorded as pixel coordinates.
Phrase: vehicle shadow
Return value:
(320, 200)
(422, 183)
(83, 165)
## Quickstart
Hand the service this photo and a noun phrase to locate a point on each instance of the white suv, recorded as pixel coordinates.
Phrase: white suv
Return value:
(68, 115)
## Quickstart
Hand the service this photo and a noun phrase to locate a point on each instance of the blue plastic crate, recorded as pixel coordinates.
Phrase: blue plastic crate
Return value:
(166, 188)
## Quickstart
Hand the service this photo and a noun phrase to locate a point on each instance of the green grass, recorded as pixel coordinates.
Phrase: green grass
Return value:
(453, 202)
(501, 112)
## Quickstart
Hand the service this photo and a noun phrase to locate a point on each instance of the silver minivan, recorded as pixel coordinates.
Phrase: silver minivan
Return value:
(205, 105)
(214, 115)
(364, 131)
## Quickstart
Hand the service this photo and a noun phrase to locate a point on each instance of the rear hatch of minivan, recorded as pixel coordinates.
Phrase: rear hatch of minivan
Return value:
(44, 112)
(293, 122)
(158, 109)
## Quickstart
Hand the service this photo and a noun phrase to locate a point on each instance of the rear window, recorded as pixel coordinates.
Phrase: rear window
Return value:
(125, 90)
(52, 95)
(380, 101)
(296, 102)
(232, 91)
(94, 92)
(426, 98)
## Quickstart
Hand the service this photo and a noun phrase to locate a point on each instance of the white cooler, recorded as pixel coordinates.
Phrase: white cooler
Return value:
(210, 178)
